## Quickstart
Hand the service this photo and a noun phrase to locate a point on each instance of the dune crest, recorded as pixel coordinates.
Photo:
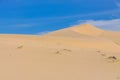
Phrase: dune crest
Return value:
(79, 30)
(87, 29)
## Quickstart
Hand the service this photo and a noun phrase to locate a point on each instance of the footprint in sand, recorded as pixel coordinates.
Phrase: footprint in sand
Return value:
(68, 50)
(117, 43)
(10, 54)
(98, 51)
(112, 58)
(109, 58)
(20, 47)
(58, 52)
(63, 51)
(102, 54)
(118, 78)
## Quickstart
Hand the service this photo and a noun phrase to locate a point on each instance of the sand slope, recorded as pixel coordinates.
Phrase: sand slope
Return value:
(77, 53)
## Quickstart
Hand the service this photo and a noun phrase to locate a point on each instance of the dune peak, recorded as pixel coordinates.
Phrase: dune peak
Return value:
(87, 29)
(79, 30)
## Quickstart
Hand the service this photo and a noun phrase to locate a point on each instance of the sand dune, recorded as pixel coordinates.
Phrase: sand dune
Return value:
(77, 53)
(82, 30)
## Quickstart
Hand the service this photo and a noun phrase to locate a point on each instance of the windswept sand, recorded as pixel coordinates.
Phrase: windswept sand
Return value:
(76, 53)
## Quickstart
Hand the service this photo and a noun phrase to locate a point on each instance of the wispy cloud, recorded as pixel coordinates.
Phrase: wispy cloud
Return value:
(104, 24)
(117, 2)
(43, 33)
(24, 25)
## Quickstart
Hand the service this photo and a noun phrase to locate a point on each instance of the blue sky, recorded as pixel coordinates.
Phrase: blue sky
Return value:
(41, 16)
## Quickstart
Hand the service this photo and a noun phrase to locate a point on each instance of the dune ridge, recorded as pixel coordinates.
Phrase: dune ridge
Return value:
(87, 29)
(82, 52)
(82, 30)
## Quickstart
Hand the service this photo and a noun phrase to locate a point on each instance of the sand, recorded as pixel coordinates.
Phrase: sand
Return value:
(77, 53)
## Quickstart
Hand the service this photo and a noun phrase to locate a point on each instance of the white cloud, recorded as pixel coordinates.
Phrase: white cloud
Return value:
(104, 24)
